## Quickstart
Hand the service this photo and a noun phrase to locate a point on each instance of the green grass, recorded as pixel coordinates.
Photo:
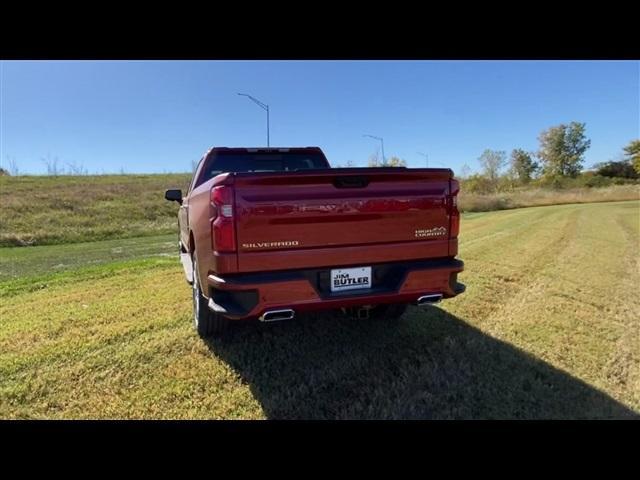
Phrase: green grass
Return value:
(32, 263)
(41, 210)
(548, 328)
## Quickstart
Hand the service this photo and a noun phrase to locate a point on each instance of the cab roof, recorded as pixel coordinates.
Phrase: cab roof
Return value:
(264, 149)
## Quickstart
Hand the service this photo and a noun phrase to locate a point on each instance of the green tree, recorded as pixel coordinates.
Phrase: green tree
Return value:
(374, 161)
(396, 162)
(492, 162)
(620, 169)
(523, 166)
(633, 152)
(562, 149)
(477, 183)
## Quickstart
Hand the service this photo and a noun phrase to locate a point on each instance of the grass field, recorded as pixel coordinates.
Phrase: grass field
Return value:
(549, 327)
(33, 267)
(537, 197)
(40, 210)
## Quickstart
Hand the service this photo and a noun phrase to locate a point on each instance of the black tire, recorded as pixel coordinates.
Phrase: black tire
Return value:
(207, 323)
(390, 312)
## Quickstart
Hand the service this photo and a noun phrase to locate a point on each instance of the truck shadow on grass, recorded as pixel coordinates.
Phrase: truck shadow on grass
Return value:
(428, 365)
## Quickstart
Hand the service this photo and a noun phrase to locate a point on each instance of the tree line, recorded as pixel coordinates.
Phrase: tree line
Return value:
(557, 163)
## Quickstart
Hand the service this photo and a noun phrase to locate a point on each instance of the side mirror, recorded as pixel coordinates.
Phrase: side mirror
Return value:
(173, 196)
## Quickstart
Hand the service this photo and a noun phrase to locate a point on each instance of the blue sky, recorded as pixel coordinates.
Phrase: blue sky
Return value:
(158, 116)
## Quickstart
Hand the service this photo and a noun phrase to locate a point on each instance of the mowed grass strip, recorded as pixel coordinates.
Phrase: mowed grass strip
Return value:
(567, 293)
(118, 347)
(31, 264)
(548, 328)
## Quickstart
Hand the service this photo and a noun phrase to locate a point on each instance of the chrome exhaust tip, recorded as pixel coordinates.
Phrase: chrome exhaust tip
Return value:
(277, 315)
(429, 299)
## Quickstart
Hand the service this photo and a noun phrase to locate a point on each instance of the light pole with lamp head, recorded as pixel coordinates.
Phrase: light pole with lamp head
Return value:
(264, 106)
(425, 156)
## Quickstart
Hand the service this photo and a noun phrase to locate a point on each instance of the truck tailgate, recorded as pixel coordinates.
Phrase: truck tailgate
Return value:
(340, 217)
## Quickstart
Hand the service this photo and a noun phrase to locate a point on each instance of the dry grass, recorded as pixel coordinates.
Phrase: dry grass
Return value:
(548, 328)
(475, 202)
(38, 210)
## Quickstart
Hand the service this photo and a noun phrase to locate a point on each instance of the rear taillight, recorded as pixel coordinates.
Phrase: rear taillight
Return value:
(454, 214)
(223, 235)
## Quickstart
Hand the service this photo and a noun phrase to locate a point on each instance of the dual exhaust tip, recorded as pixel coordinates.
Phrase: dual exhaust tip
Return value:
(277, 315)
(288, 314)
(429, 299)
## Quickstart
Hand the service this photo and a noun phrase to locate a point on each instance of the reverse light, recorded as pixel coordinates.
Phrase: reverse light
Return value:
(226, 211)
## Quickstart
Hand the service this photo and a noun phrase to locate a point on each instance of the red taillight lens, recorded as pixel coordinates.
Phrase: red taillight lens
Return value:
(454, 214)
(455, 224)
(223, 235)
(224, 239)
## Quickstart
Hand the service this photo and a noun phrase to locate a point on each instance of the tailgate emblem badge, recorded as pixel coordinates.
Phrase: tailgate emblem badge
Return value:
(291, 243)
(431, 232)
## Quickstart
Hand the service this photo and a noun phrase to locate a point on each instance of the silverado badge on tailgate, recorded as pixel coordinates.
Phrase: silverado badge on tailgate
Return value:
(291, 243)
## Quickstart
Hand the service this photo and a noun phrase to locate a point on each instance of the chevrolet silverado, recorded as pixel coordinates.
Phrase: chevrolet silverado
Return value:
(269, 233)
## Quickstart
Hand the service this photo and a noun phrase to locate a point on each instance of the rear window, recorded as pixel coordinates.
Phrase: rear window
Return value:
(262, 162)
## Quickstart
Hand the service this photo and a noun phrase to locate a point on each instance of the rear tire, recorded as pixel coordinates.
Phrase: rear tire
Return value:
(207, 323)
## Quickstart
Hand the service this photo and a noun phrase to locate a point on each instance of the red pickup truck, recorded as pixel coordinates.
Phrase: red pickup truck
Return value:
(269, 233)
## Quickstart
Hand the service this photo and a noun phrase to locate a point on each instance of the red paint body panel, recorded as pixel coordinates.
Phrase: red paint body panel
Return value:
(335, 226)
(323, 219)
(346, 256)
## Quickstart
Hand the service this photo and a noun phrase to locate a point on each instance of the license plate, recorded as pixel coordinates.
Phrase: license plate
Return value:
(350, 279)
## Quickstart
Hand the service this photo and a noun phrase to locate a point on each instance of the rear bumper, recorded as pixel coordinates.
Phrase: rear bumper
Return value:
(242, 296)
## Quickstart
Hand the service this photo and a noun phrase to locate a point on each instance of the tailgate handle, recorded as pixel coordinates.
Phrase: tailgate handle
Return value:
(351, 182)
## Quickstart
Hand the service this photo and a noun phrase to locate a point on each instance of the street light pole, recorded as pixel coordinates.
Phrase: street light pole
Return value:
(262, 105)
(425, 156)
(384, 160)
